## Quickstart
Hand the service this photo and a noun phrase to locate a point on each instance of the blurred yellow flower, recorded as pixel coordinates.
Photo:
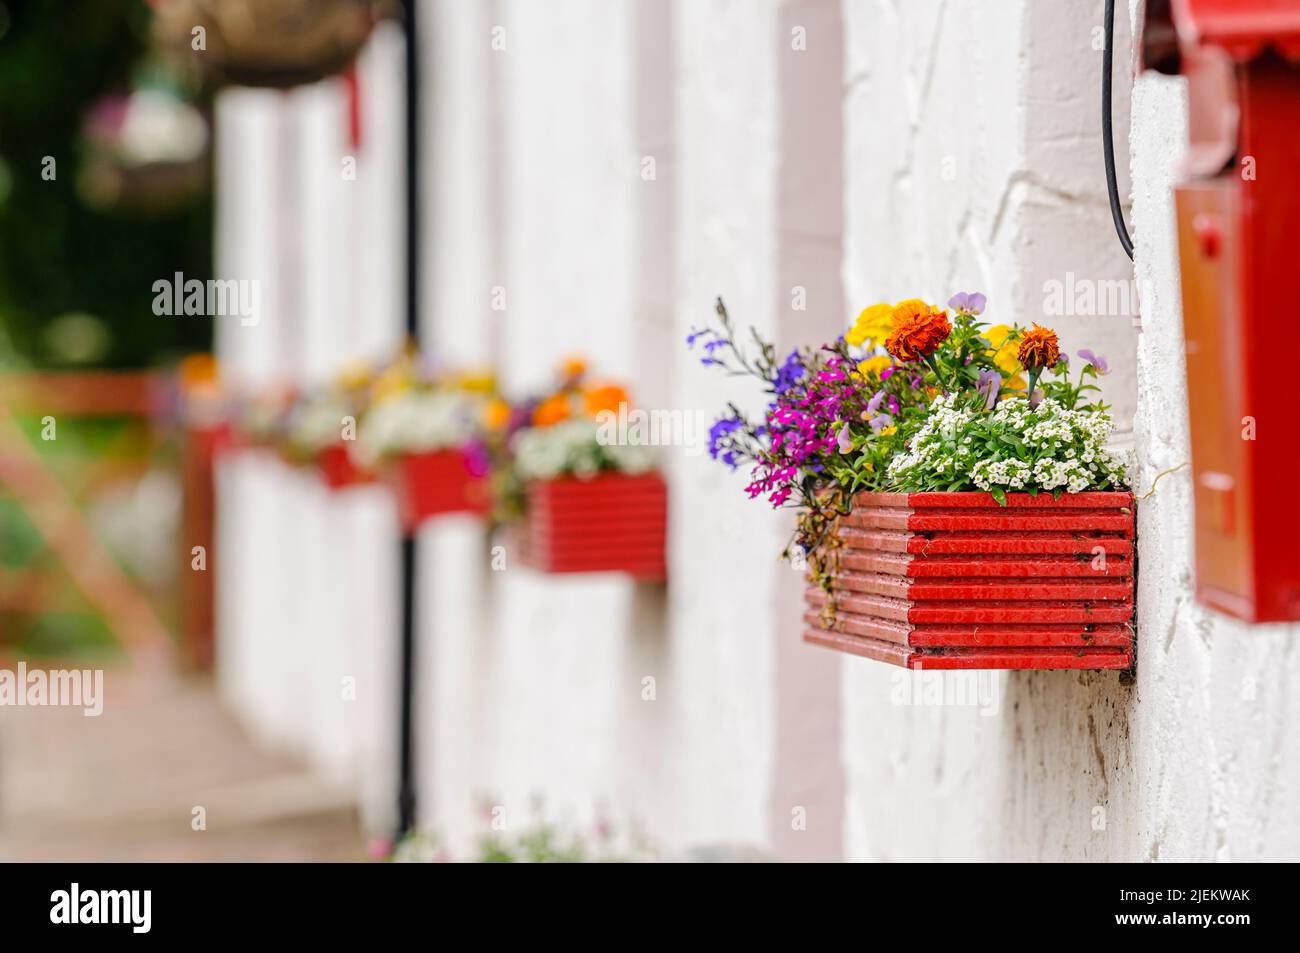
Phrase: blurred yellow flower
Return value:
(872, 326)
(874, 365)
(888, 431)
(477, 381)
(393, 381)
(356, 374)
(1004, 351)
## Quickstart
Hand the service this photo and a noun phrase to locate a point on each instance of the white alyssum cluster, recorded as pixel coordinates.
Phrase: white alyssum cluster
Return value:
(415, 421)
(572, 447)
(1016, 447)
(319, 422)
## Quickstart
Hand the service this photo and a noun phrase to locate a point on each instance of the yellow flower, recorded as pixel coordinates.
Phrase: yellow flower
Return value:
(1004, 351)
(390, 383)
(888, 431)
(355, 375)
(872, 326)
(874, 365)
(477, 381)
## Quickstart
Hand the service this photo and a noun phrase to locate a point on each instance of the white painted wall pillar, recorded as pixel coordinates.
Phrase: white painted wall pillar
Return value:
(724, 549)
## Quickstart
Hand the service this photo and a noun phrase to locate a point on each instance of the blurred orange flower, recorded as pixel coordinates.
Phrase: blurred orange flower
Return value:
(552, 410)
(496, 414)
(602, 398)
(1039, 347)
(573, 367)
(199, 373)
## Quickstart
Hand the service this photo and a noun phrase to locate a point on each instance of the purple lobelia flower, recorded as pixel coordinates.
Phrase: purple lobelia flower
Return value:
(1096, 361)
(967, 302)
(717, 436)
(789, 374)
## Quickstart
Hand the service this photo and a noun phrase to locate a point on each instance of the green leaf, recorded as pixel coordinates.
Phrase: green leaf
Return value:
(1000, 495)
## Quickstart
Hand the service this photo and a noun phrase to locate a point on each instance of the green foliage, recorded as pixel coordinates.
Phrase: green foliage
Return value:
(57, 256)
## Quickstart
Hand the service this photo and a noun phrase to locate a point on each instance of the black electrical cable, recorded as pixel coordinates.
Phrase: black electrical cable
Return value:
(1107, 135)
(406, 779)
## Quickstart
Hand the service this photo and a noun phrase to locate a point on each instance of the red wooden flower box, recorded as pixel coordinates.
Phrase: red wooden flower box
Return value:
(339, 470)
(613, 522)
(435, 483)
(955, 581)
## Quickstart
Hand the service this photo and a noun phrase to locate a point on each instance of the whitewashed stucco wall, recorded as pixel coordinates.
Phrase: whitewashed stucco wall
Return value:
(306, 580)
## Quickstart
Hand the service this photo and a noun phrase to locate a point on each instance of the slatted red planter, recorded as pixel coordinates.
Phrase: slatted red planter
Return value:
(339, 470)
(611, 523)
(955, 581)
(437, 483)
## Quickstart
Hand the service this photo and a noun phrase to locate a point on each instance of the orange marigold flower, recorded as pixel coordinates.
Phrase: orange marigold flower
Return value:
(602, 398)
(496, 414)
(1039, 347)
(552, 410)
(918, 330)
(573, 367)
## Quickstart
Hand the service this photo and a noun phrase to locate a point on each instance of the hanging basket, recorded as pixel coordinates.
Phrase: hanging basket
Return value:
(955, 581)
(436, 483)
(339, 470)
(611, 523)
(266, 43)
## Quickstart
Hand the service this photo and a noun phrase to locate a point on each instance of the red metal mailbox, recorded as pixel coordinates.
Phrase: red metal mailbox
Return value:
(1239, 233)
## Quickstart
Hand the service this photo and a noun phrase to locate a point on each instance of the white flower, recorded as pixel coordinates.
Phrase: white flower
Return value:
(572, 446)
(418, 421)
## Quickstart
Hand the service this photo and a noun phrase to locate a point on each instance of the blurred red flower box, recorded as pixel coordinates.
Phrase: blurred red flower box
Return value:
(436, 483)
(613, 522)
(955, 581)
(339, 470)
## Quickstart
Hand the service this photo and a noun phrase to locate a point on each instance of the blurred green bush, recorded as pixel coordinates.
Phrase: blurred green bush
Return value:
(76, 282)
